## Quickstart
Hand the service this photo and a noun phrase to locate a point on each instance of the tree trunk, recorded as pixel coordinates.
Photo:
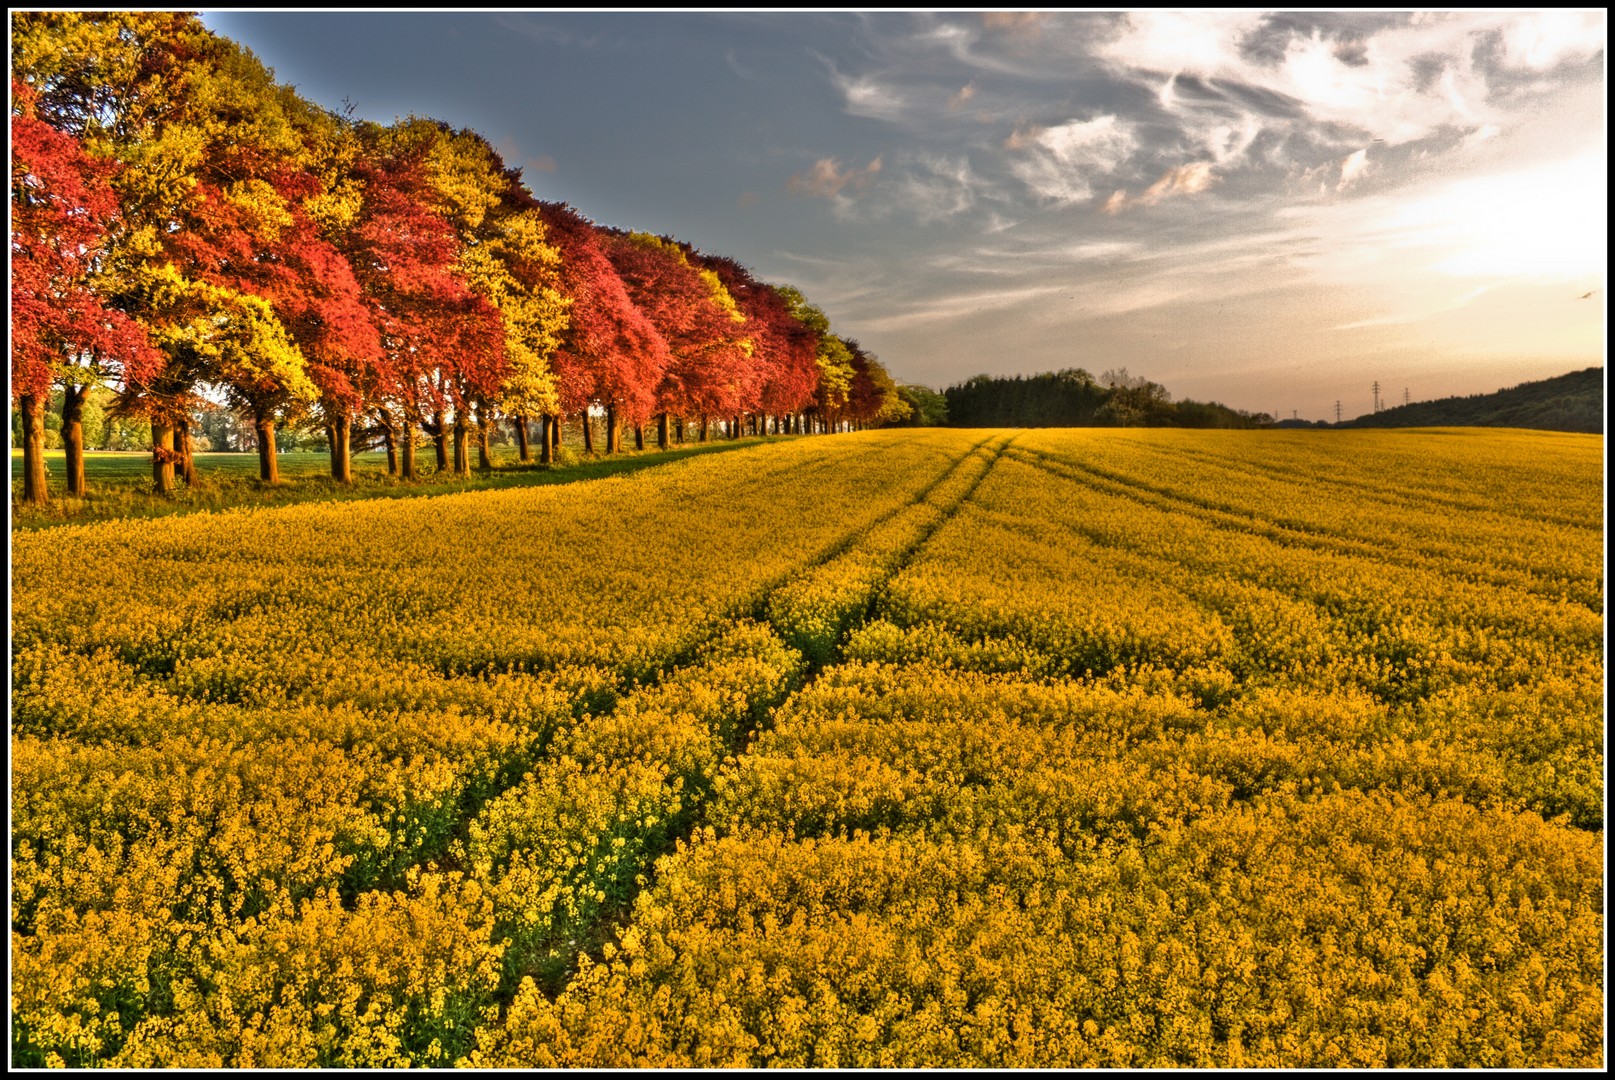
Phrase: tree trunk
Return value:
(462, 455)
(73, 437)
(484, 427)
(390, 439)
(521, 439)
(340, 430)
(268, 467)
(546, 439)
(34, 490)
(681, 430)
(703, 427)
(185, 467)
(440, 440)
(162, 458)
(555, 430)
(406, 446)
(639, 436)
(661, 432)
(588, 433)
(613, 439)
(735, 430)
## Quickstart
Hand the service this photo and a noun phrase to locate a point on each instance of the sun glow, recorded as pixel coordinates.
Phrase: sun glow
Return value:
(1544, 222)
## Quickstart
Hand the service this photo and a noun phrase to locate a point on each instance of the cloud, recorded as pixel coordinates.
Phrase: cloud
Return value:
(1190, 179)
(748, 198)
(1480, 135)
(1544, 222)
(1205, 42)
(1065, 158)
(965, 93)
(1418, 313)
(735, 66)
(867, 96)
(542, 163)
(946, 188)
(1023, 135)
(1353, 167)
(1019, 22)
(1542, 39)
(1398, 78)
(544, 33)
(826, 179)
(951, 308)
(1229, 141)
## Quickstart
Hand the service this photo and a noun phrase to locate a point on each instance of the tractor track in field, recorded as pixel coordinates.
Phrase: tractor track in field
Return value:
(611, 922)
(1289, 535)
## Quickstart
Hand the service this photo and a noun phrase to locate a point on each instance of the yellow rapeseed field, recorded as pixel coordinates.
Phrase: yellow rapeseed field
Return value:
(906, 748)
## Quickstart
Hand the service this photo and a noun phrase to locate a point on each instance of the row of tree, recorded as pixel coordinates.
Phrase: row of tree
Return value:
(1074, 398)
(1569, 402)
(186, 229)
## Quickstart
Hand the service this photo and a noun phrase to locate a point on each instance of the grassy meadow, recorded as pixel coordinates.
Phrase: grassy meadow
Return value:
(1035, 748)
(120, 482)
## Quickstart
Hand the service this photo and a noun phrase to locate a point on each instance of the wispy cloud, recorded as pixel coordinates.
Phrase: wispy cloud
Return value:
(868, 96)
(1190, 179)
(1539, 41)
(1066, 159)
(1418, 314)
(1024, 135)
(827, 179)
(545, 33)
(1396, 78)
(938, 188)
(959, 306)
(1354, 167)
(1018, 22)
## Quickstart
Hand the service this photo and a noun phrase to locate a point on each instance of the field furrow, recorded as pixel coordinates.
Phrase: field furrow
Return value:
(898, 749)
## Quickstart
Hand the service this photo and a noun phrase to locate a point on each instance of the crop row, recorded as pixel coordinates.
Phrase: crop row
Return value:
(1011, 766)
(1097, 783)
(203, 848)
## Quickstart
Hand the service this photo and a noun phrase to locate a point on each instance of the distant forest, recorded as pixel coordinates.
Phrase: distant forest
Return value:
(1074, 398)
(1573, 402)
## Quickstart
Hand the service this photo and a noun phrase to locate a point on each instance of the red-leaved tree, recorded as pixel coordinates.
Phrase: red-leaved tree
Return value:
(710, 373)
(783, 348)
(439, 340)
(62, 209)
(613, 354)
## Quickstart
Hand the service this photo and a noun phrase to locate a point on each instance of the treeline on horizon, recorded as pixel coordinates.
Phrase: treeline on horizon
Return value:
(186, 232)
(1572, 402)
(1074, 398)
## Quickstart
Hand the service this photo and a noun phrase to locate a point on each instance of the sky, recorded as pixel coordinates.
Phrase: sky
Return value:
(1270, 210)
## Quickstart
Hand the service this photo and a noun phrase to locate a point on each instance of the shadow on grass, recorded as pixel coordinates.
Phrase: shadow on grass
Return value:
(120, 485)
